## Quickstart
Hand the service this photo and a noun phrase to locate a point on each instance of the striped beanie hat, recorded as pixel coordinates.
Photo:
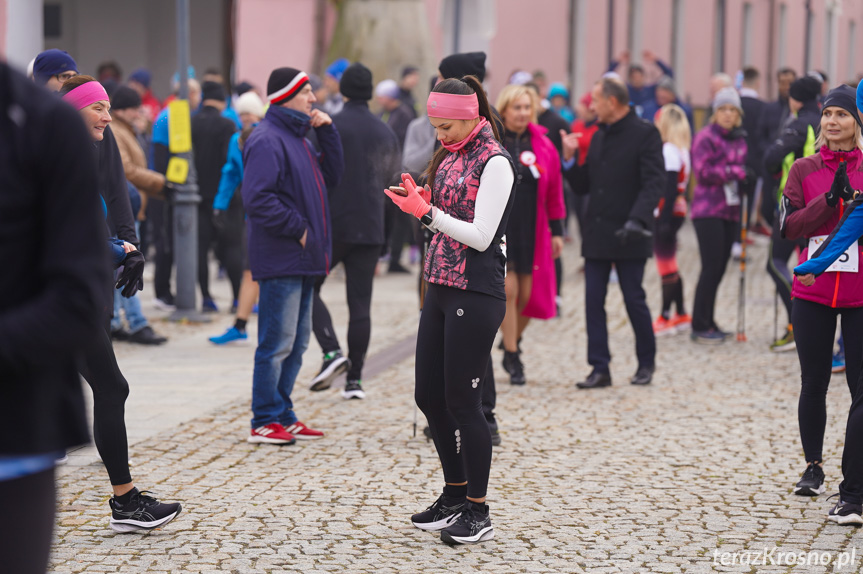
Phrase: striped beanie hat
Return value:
(284, 84)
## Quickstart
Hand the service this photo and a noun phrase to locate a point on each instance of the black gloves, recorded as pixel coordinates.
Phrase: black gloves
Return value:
(841, 188)
(632, 230)
(132, 276)
(169, 191)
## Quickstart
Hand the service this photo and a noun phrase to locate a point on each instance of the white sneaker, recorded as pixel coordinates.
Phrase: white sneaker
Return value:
(354, 390)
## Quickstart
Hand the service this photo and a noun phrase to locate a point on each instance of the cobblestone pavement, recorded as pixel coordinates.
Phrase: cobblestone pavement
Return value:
(666, 478)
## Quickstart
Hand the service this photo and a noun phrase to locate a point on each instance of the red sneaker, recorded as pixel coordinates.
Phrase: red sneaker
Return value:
(301, 431)
(663, 326)
(680, 322)
(273, 433)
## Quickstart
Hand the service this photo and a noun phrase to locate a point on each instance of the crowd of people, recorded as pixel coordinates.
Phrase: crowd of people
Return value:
(303, 176)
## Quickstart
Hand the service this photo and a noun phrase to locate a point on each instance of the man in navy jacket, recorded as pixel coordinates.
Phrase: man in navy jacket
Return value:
(290, 242)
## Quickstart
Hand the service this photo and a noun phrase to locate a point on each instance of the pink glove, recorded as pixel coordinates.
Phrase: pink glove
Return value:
(408, 183)
(413, 203)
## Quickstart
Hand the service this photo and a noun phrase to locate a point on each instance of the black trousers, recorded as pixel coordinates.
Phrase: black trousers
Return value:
(715, 238)
(232, 243)
(206, 236)
(360, 262)
(28, 520)
(851, 487)
(456, 332)
(163, 239)
(630, 273)
(110, 391)
(814, 332)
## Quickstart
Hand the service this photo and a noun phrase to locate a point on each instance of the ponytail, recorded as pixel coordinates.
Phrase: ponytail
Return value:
(466, 86)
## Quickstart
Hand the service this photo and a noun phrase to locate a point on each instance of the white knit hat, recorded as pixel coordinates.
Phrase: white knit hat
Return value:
(250, 103)
(727, 96)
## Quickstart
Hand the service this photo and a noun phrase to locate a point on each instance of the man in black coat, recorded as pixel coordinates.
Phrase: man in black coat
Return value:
(372, 162)
(772, 119)
(53, 253)
(624, 175)
(211, 135)
(753, 106)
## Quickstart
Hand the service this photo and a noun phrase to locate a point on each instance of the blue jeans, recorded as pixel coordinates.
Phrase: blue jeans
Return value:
(284, 327)
(132, 309)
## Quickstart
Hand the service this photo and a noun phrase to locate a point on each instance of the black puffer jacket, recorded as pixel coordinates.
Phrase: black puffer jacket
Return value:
(53, 253)
(624, 175)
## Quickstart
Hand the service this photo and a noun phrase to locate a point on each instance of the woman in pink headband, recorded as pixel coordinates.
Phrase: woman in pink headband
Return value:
(88, 96)
(131, 510)
(467, 206)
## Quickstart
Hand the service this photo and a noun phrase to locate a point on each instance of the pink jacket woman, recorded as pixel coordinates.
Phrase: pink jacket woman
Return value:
(550, 205)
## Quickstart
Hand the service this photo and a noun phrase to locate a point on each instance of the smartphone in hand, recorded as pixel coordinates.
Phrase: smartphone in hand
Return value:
(399, 190)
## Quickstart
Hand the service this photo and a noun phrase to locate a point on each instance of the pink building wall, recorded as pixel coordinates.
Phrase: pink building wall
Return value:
(270, 35)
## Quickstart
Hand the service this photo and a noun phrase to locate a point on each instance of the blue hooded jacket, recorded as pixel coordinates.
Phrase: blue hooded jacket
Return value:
(285, 193)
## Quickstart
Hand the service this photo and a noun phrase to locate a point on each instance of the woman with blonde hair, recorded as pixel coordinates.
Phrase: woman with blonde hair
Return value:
(670, 214)
(535, 229)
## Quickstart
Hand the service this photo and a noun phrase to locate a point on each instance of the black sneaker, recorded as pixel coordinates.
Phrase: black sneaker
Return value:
(142, 512)
(846, 513)
(441, 514)
(812, 481)
(473, 525)
(354, 390)
(334, 365)
(495, 437)
(427, 433)
(512, 365)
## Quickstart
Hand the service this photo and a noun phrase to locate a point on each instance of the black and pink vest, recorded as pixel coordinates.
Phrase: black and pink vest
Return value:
(449, 262)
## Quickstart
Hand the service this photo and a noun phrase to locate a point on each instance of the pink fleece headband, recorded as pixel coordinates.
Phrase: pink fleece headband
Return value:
(452, 106)
(86, 94)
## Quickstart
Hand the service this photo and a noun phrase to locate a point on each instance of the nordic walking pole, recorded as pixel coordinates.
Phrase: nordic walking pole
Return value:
(741, 295)
(776, 315)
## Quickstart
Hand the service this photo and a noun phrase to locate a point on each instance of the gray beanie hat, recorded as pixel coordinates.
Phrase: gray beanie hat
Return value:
(727, 96)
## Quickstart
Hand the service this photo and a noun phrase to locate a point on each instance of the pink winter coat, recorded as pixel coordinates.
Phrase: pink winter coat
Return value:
(808, 215)
(550, 205)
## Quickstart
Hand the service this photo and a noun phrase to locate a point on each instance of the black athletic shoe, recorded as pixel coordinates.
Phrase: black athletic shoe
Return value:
(512, 364)
(334, 365)
(472, 526)
(427, 432)
(441, 514)
(142, 512)
(495, 437)
(812, 481)
(354, 390)
(846, 513)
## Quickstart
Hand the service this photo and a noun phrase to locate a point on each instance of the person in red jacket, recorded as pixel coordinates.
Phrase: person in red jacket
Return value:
(815, 197)
(535, 229)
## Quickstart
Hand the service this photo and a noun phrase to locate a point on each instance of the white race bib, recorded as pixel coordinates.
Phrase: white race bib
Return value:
(848, 262)
(732, 193)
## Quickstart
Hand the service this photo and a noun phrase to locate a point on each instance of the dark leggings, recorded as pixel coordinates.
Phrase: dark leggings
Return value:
(851, 487)
(665, 250)
(814, 332)
(205, 242)
(232, 243)
(110, 390)
(28, 519)
(777, 265)
(456, 332)
(715, 238)
(360, 262)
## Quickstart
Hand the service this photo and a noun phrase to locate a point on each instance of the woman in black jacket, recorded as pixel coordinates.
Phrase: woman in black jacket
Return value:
(131, 509)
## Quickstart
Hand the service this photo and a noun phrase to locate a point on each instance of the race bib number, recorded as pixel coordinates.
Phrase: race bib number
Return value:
(848, 262)
(732, 193)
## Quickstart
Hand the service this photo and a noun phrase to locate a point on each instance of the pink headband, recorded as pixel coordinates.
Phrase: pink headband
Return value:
(86, 94)
(452, 106)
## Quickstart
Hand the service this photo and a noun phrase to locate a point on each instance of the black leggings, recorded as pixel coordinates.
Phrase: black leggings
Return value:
(715, 238)
(456, 332)
(28, 519)
(232, 243)
(814, 333)
(206, 234)
(360, 262)
(777, 265)
(110, 390)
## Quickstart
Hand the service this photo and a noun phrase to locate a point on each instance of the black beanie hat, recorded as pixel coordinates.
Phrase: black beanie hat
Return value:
(212, 91)
(124, 98)
(356, 82)
(805, 89)
(844, 97)
(284, 84)
(466, 64)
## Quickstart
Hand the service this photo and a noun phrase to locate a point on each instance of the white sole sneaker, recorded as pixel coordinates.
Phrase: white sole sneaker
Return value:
(265, 440)
(848, 519)
(324, 379)
(481, 536)
(806, 491)
(439, 525)
(124, 526)
(354, 394)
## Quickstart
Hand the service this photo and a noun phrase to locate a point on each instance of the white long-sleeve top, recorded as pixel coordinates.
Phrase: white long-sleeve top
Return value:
(495, 185)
